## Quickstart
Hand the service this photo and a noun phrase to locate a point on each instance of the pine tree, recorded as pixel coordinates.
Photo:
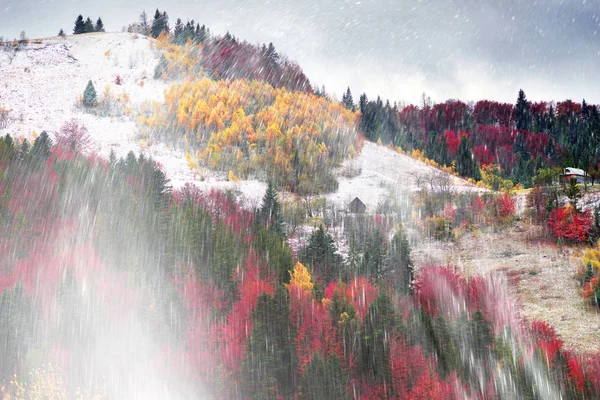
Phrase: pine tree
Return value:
(99, 26)
(200, 34)
(61, 33)
(378, 329)
(89, 95)
(270, 362)
(270, 212)
(88, 26)
(324, 379)
(178, 32)
(348, 101)
(466, 164)
(158, 25)
(374, 256)
(41, 148)
(272, 56)
(481, 334)
(7, 148)
(24, 150)
(447, 355)
(79, 26)
(165, 18)
(321, 254)
(401, 262)
(522, 115)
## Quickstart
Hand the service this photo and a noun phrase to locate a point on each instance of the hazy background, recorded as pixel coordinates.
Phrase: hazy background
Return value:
(467, 49)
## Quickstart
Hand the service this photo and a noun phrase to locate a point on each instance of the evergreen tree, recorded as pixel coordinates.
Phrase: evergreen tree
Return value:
(481, 334)
(348, 101)
(41, 148)
(89, 95)
(443, 157)
(320, 254)
(324, 379)
(400, 261)
(99, 26)
(362, 102)
(79, 26)
(466, 164)
(447, 355)
(61, 33)
(270, 212)
(378, 329)
(522, 115)
(165, 17)
(88, 26)
(7, 148)
(272, 56)
(270, 362)
(24, 149)
(374, 256)
(201, 33)
(354, 260)
(178, 32)
(158, 25)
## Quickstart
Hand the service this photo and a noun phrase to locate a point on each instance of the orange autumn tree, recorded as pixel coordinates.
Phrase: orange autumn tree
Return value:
(249, 127)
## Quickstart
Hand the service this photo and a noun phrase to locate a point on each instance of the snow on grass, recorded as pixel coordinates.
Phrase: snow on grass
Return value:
(383, 170)
(41, 85)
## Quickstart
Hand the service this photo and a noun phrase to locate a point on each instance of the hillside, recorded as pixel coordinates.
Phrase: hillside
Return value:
(132, 288)
(58, 69)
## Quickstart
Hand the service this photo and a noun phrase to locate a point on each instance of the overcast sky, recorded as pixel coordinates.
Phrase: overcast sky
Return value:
(399, 49)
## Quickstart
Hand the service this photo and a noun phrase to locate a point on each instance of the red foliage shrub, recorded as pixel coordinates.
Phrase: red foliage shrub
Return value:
(568, 224)
(589, 288)
(436, 288)
(547, 342)
(575, 373)
(506, 206)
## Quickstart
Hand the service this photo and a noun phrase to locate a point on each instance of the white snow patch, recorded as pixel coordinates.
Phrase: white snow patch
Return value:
(382, 171)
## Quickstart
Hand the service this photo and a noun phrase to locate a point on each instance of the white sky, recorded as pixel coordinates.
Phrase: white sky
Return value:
(467, 49)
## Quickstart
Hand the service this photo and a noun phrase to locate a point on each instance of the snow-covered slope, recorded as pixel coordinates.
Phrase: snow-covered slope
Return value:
(41, 85)
(384, 171)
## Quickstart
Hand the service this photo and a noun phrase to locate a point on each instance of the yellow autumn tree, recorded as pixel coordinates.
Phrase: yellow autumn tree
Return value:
(300, 278)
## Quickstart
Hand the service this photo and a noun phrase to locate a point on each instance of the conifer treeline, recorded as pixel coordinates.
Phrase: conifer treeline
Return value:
(86, 26)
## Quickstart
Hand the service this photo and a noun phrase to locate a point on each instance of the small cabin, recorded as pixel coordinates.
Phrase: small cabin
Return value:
(580, 175)
(357, 207)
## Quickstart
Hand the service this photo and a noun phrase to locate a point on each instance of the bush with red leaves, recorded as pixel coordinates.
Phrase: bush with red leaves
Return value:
(567, 224)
